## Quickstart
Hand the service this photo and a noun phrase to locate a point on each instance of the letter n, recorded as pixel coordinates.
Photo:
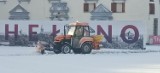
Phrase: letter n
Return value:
(107, 37)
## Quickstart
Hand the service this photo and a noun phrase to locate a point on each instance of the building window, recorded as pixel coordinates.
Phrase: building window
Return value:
(20, 1)
(151, 0)
(88, 7)
(52, 1)
(3, 1)
(155, 29)
(101, 13)
(151, 8)
(19, 13)
(118, 7)
(59, 11)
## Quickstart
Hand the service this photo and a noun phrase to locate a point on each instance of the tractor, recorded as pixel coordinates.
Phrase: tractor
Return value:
(77, 38)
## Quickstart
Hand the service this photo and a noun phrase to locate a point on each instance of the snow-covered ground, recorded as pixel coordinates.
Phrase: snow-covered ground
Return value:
(26, 60)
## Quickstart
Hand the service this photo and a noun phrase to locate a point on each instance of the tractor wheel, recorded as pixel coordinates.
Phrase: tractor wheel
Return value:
(86, 48)
(66, 49)
(77, 51)
(57, 51)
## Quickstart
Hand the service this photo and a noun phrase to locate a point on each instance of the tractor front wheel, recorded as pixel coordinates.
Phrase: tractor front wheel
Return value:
(66, 49)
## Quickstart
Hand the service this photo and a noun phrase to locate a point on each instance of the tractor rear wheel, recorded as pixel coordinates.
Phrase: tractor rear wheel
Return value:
(86, 48)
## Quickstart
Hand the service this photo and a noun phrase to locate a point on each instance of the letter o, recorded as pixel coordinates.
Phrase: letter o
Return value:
(135, 37)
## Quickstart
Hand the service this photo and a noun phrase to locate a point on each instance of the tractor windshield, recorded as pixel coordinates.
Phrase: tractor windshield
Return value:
(71, 30)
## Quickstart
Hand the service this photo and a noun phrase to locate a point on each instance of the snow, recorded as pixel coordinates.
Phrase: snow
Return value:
(26, 60)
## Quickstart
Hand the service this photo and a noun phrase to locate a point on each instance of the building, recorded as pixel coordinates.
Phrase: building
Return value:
(84, 10)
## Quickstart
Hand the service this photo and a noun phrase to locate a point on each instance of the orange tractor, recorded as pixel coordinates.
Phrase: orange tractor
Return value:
(77, 37)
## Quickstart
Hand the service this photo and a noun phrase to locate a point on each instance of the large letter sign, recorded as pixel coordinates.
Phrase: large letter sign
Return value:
(130, 38)
(107, 37)
(7, 32)
(117, 34)
(54, 30)
(31, 33)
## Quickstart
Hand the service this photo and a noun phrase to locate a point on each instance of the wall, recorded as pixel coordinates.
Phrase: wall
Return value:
(39, 10)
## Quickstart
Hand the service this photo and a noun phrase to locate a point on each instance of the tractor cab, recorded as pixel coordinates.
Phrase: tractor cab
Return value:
(77, 29)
